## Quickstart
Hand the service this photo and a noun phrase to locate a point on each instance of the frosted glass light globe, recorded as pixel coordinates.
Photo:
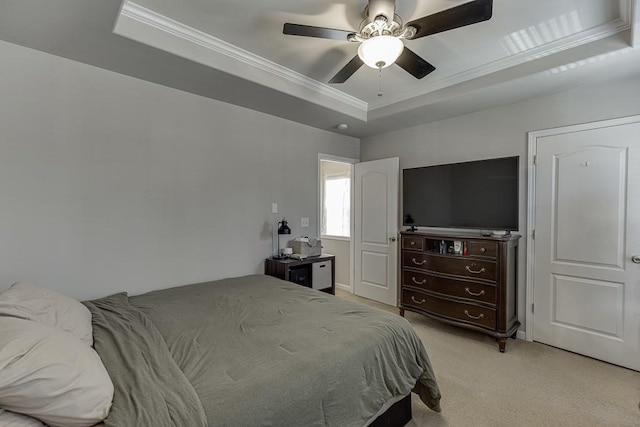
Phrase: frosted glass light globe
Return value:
(380, 51)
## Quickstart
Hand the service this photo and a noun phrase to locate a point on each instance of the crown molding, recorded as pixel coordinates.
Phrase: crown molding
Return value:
(287, 80)
(174, 28)
(633, 11)
(623, 23)
(627, 10)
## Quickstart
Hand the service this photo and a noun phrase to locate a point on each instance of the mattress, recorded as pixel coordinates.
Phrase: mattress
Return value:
(256, 350)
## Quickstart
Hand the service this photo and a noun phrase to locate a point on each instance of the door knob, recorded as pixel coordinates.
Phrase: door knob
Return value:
(392, 239)
(636, 259)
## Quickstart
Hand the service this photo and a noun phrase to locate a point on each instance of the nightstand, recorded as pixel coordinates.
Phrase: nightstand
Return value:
(314, 272)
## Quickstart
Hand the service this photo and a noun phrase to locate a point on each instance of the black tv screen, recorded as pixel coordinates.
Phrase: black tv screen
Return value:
(481, 194)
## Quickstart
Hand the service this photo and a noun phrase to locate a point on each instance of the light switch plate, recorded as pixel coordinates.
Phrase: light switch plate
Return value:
(274, 208)
(304, 222)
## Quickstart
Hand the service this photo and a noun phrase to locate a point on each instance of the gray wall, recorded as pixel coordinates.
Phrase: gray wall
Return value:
(110, 183)
(342, 250)
(502, 131)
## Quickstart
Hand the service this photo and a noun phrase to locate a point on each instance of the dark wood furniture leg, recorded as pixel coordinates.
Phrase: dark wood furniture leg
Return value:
(401, 311)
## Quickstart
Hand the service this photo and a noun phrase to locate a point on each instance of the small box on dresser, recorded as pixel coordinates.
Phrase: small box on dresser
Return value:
(475, 289)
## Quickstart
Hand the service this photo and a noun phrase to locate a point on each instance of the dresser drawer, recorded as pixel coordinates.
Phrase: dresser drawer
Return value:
(413, 242)
(467, 267)
(488, 249)
(468, 313)
(480, 292)
(414, 259)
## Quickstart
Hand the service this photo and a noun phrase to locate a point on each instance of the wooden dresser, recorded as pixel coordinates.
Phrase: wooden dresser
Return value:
(463, 279)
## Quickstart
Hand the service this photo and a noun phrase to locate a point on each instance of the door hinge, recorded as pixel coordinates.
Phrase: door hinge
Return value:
(535, 159)
(533, 306)
(533, 234)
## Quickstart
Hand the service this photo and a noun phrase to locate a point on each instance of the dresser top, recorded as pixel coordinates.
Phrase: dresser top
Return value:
(459, 235)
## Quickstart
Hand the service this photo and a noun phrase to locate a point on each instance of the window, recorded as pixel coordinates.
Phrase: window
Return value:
(336, 198)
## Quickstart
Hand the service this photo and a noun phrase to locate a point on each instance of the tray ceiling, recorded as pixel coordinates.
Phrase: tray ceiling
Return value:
(528, 48)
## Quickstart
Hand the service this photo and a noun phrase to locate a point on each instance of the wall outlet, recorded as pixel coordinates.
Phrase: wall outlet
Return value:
(274, 208)
(304, 222)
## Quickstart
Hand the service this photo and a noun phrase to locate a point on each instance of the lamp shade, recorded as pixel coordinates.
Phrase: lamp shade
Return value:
(380, 51)
(283, 227)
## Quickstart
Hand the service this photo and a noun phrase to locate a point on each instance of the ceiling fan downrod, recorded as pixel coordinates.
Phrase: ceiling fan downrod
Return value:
(380, 19)
(379, 10)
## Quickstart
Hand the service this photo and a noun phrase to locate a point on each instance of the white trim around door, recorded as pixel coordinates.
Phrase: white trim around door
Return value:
(571, 278)
(352, 161)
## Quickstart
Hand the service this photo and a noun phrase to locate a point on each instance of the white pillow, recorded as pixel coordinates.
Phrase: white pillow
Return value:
(11, 419)
(51, 375)
(48, 307)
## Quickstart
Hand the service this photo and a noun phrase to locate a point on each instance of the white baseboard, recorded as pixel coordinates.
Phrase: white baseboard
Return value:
(521, 335)
(343, 287)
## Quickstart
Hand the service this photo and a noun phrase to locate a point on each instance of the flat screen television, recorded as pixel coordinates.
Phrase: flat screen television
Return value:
(480, 194)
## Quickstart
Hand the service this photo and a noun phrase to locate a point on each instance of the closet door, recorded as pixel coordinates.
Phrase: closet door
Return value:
(587, 240)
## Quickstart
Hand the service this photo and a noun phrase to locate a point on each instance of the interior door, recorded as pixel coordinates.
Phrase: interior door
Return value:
(587, 240)
(376, 229)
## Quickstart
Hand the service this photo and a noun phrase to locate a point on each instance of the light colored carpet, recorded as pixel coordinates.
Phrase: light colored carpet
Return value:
(531, 384)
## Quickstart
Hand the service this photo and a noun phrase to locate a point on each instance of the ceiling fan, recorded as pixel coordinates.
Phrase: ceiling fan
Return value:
(382, 31)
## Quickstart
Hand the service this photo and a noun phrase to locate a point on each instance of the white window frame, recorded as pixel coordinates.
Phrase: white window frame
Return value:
(333, 158)
(326, 178)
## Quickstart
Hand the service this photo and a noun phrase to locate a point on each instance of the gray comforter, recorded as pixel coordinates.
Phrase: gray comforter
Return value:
(256, 351)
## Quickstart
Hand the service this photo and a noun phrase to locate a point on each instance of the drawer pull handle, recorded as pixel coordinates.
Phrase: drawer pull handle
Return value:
(418, 283)
(480, 316)
(416, 301)
(483, 250)
(413, 243)
(418, 263)
(473, 293)
(482, 270)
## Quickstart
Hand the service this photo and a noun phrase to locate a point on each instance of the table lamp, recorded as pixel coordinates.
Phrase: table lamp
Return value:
(282, 228)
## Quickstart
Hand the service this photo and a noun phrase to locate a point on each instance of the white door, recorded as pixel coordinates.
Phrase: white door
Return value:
(587, 235)
(376, 229)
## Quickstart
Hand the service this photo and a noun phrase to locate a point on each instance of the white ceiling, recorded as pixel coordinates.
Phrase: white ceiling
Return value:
(528, 48)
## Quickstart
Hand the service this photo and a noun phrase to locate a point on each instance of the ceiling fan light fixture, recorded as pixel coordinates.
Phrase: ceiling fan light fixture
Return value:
(380, 51)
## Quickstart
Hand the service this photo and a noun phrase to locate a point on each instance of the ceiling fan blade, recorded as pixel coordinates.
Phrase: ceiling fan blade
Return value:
(320, 32)
(348, 70)
(414, 64)
(456, 17)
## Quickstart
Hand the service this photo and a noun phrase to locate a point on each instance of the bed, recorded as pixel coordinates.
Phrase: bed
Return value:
(255, 350)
